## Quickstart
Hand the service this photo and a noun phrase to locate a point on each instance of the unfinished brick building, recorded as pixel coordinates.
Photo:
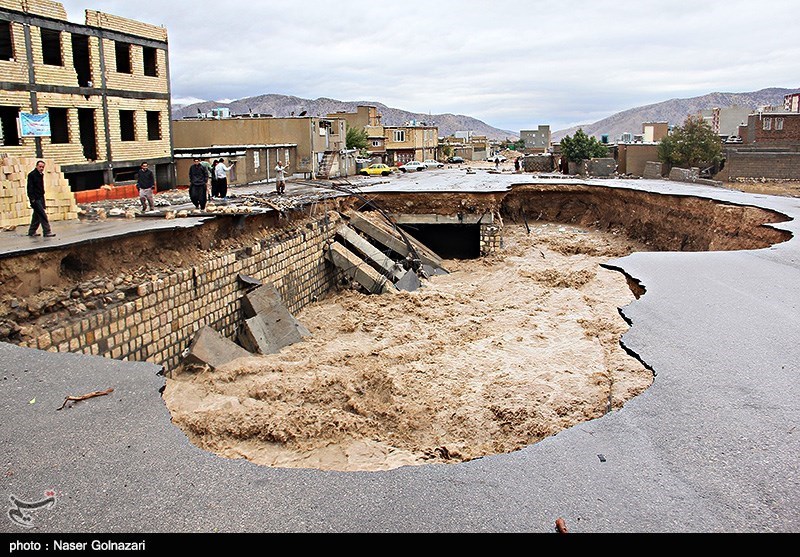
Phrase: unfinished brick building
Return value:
(104, 86)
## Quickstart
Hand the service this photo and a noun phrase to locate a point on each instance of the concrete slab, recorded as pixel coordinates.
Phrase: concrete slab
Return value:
(358, 270)
(387, 266)
(210, 348)
(373, 227)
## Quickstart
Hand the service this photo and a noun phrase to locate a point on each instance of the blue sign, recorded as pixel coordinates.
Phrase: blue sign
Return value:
(34, 125)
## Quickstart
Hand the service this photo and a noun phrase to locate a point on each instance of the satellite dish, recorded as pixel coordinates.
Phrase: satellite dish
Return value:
(304, 113)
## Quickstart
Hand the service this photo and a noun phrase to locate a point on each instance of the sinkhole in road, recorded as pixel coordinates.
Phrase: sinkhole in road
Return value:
(504, 351)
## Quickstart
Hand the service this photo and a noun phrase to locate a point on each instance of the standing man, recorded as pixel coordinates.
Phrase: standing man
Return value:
(198, 184)
(280, 178)
(36, 197)
(210, 169)
(221, 173)
(145, 182)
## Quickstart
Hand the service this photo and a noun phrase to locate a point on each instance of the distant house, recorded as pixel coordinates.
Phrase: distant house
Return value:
(770, 146)
(411, 142)
(536, 141)
(726, 121)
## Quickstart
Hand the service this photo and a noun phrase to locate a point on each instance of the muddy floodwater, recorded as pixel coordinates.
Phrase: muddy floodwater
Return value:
(501, 353)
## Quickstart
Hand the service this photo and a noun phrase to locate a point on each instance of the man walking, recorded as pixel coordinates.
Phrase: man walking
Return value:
(36, 197)
(145, 181)
(198, 181)
(280, 178)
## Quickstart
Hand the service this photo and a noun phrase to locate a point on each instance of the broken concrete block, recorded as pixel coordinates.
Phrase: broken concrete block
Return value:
(409, 282)
(358, 269)
(269, 325)
(268, 336)
(430, 271)
(209, 348)
(248, 281)
(652, 170)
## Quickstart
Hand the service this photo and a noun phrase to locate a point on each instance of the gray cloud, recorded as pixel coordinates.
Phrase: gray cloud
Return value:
(512, 64)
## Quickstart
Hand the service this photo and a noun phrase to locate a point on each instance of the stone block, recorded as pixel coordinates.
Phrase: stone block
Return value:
(209, 348)
(268, 326)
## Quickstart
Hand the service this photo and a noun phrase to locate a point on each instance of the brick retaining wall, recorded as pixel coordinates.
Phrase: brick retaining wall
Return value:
(159, 321)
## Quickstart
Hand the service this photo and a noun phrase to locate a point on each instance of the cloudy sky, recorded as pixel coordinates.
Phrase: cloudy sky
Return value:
(513, 64)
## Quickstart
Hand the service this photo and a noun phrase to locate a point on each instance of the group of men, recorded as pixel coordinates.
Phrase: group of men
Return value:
(199, 174)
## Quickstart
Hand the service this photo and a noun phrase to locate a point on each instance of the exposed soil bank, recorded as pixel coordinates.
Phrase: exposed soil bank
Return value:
(504, 351)
(661, 222)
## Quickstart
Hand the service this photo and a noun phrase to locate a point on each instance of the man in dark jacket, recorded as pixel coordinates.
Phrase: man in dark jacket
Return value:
(198, 181)
(145, 182)
(36, 197)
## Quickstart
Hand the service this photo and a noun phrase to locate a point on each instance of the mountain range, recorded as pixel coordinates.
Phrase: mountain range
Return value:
(673, 111)
(284, 105)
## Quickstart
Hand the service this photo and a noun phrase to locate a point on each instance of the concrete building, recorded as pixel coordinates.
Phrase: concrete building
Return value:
(319, 143)
(726, 121)
(407, 143)
(770, 145)
(653, 132)
(97, 94)
(365, 115)
(536, 141)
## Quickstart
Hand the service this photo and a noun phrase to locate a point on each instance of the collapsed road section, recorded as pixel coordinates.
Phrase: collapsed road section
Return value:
(146, 298)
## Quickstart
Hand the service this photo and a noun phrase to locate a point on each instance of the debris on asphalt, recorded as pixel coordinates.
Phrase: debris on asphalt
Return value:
(93, 394)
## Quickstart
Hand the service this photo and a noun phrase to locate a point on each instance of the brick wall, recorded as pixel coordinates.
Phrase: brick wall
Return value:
(135, 81)
(53, 75)
(27, 146)
(142, 148)
(491, 238)
(634, 157)
(45, 8)
(16, 70)
(124, 25)
(159, 321)
(770, 164)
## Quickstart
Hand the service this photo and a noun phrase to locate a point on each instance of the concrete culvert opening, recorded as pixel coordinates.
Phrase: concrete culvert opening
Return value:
(449, 241)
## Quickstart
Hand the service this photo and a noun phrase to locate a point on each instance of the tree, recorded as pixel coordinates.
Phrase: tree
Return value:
(693, 144)
(581, 147)
(356, 138)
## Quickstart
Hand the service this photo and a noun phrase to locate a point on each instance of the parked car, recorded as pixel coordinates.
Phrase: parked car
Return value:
(455, 160)
(733, 139)
(493, 157)
(430, 163)
(412, 166)
(376, 169)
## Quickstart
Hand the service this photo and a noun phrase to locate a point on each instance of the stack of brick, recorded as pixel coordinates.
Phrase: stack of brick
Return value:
(15, 208)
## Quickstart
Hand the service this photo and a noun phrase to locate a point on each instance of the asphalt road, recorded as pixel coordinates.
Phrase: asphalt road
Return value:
(712, 446)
